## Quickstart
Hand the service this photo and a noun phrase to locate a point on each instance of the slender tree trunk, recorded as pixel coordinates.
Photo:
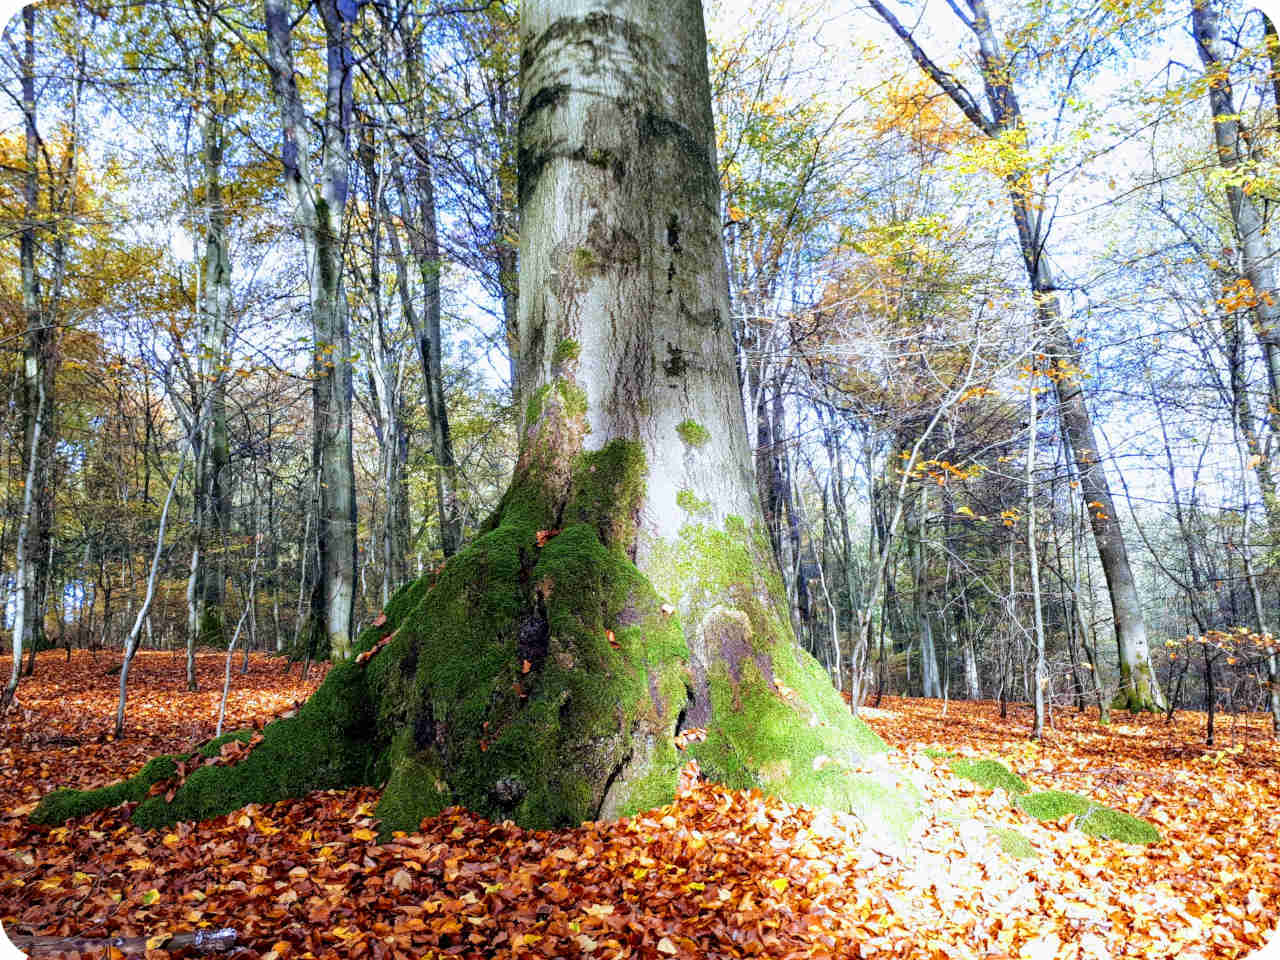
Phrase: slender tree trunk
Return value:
(1139, 689)
(35, 385)
(319, 211)
(135, 635)
(211, 500)
(1033, 561)
(922, 602)
(420, 214)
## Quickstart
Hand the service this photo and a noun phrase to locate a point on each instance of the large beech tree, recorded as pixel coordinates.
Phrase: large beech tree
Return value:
(624, 590)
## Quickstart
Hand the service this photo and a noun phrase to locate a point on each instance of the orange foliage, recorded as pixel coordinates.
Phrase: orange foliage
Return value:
(717, 873)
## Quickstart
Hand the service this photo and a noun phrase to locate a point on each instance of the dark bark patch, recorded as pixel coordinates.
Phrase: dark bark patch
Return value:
(424, 724)
(655, 695)
(507, 792)
(533, 635)
(673, 233)
(611, 243)
(674, 365)
(694, 156)
(592, 28)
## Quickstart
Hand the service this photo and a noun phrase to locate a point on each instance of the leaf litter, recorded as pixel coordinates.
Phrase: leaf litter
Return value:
(717, 873)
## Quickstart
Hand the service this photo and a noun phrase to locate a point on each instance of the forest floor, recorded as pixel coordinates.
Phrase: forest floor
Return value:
(715, 874)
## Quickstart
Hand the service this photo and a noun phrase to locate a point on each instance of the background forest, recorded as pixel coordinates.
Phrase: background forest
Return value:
(238, 366)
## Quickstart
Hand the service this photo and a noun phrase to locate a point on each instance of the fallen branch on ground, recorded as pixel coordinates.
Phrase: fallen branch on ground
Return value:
(202, 941)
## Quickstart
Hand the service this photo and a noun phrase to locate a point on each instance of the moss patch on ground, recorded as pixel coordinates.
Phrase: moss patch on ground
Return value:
(1015, 844)
(1089, 816)
(990, 774)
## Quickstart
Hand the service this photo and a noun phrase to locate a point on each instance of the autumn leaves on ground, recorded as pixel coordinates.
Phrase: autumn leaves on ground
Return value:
(714, 874)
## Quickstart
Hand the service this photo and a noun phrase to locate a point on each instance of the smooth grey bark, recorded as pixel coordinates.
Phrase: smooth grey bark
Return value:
(1139, 689)
(620, 251)
(386, 381)
(318, 192)
(35, 519)
(1257, 255)
(922, 596)
(33, 381)
(211, 500)
(1033, 560)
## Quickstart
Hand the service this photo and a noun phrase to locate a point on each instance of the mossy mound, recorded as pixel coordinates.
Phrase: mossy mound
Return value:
(66, 804)
(990, 774)
(773, 720)
(1089, 816)
(540, 677)
(1015, 844)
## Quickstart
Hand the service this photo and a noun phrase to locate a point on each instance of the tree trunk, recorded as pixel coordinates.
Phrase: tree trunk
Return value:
(211, 500)
(36, 389)
(929, 685)
(319, 211)
(1139, 689)
(1256, 256)
(1033, 561)
(419, 209)
(540, 676)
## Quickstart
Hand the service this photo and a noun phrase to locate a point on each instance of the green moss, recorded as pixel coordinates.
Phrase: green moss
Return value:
(934, 753)
(584, 260)
(533, 409)
(63, 805)
(775, 721)
(538, 745)
(693, 433)
(1015, 844)
(567, 349)
(1089, 817)
(326, 745)
(574, 397)
(989, 774)
(688, 501)
(608, 490)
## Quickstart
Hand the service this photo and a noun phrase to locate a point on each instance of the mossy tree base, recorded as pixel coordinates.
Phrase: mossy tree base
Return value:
(541, 678)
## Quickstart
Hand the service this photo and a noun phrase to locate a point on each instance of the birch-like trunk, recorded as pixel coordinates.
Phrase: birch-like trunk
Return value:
(1256, 262)
(1139, 689)
(207, 577)
(318, 192)
(36, 504)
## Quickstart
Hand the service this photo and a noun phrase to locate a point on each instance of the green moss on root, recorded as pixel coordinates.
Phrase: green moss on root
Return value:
(773, 719)
(63, 805)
